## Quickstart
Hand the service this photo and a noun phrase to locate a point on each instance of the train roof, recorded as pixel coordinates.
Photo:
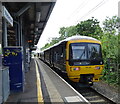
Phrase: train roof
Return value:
(76, 37)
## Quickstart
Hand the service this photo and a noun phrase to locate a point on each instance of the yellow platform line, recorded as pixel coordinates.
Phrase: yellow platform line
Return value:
(39, 90)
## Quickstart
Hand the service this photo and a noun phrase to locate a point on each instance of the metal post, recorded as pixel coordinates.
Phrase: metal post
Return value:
(5, 33)
(16, 33)
(21, 32)
(19, 39)
(22, 40)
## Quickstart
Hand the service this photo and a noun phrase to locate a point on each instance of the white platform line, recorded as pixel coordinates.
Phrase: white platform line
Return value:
(70, 86)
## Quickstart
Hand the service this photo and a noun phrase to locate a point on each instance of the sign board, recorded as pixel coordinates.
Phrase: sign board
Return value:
(7, 15)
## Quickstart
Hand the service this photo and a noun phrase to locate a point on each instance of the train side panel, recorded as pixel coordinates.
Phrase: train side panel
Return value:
(59, 57)
(42, 56)
(47, 56)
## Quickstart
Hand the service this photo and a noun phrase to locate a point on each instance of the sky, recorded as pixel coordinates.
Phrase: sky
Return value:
(70, 12)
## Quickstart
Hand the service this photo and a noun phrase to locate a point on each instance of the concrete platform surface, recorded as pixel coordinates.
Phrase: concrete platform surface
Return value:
(58, 89)
(43, 85)
(30, 92)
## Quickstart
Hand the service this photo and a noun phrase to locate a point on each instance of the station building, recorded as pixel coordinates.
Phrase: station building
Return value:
(21, 25)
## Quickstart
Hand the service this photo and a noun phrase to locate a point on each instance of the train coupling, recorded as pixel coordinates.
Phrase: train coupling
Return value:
(87, 79)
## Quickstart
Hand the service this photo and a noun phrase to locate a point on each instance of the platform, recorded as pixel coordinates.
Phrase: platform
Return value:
(44, 85)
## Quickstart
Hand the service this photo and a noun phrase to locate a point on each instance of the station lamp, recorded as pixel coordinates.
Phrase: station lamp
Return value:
(38, 15)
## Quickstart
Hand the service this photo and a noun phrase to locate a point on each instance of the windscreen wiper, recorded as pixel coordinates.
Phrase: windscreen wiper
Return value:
(82, 53)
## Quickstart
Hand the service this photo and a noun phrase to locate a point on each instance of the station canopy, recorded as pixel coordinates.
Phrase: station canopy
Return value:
(34, 13)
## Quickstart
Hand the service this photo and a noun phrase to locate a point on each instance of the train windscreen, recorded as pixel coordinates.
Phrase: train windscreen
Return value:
(85, 54)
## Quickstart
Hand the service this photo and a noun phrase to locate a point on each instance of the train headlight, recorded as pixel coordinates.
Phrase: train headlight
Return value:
(97, 67)
(75, 69)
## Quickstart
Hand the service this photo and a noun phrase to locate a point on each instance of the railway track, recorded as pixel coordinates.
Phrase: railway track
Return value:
(89, 93)
(93, 96)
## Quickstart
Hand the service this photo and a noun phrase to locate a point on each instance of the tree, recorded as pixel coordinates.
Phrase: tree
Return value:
(110, 46)
(62, 30)
(63, 33)
(89, 27)
(110, 25)
(54, 41)
(71, 31)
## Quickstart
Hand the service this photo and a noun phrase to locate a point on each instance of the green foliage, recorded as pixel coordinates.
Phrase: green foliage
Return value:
(119, 49)
(110, 55)
(111, 77)
(71, 31)
(110, 24)
(62, 31)
(67, 32)
(53, 41)
(89, 27)
(46, 46)
(110, 46)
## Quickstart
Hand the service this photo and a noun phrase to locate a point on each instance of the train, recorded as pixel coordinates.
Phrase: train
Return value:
(78, 56)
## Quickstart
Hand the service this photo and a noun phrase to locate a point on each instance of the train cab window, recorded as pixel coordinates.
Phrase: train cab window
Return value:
(79, 52)
(85, 54)
(94, 51)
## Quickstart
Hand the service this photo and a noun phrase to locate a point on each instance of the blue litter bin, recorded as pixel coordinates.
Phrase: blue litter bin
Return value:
(13, 58)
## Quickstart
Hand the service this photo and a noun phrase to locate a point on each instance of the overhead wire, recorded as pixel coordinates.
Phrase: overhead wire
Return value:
(92, 10)
(78, 8)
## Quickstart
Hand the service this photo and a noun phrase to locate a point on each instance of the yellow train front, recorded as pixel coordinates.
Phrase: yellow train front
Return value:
(79, 56)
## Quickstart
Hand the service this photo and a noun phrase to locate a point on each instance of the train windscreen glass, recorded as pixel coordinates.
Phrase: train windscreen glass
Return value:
(79, 52)
(94, 51)
(85, 54)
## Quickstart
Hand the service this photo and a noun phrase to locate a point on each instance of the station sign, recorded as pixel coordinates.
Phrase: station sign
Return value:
(7, 15)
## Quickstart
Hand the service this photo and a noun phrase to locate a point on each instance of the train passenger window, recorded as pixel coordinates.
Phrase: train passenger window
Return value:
(61, 55)
(56, 57)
